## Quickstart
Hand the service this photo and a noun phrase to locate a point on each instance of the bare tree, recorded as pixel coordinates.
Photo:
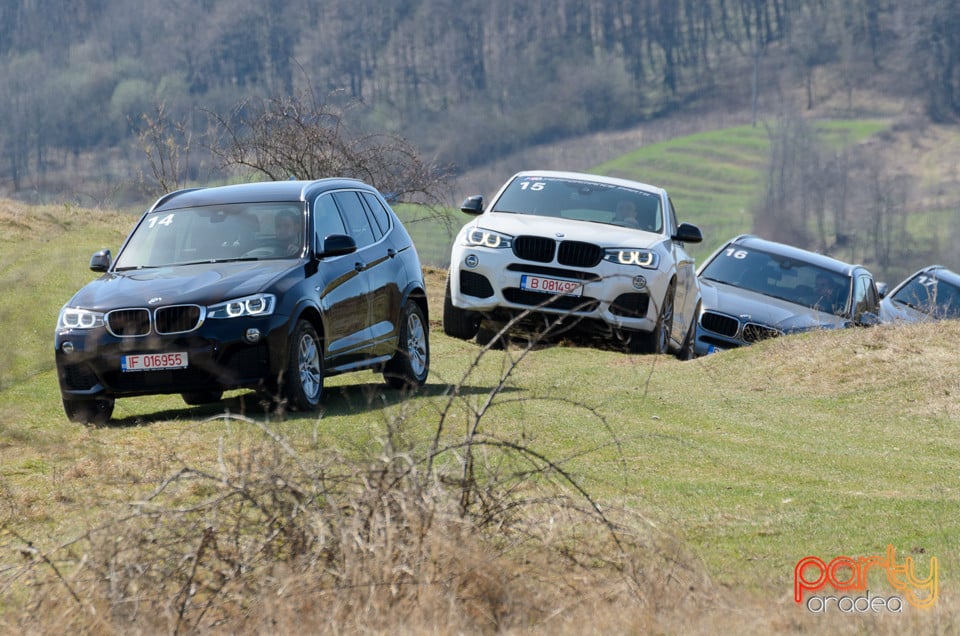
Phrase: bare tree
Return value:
(885, 218)
(167, 145)
(300, 136)
(794, 170)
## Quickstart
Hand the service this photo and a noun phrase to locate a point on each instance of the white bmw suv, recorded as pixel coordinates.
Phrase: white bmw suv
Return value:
(565, 251)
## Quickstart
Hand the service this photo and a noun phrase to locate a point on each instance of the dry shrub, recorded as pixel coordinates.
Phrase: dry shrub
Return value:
(275, 541)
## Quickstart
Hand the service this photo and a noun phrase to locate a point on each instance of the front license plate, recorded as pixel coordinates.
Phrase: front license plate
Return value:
(550, 285)
(154, 361)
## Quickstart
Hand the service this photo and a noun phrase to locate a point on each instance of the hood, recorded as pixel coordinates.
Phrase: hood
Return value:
(201, 284)
(891, 311)
(760, 308)
(601, 234)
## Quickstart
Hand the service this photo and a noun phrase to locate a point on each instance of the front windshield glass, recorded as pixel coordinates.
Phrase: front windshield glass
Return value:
(780, 277)
(248, 231)
(930, 295)
(583, 201)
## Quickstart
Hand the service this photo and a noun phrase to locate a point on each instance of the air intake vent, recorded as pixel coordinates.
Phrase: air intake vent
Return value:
(753, 332)
(719, 323)
(534, 248)
(128, 323)
(178, 318)
(577, 254)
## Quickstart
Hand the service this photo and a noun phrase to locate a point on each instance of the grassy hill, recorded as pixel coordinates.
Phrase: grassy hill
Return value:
(716, 177)
(682, 495)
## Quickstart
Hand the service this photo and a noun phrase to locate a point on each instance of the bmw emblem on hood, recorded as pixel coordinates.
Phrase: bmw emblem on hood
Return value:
(155, 300)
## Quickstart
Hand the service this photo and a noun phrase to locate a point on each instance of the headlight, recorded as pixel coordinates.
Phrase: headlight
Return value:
(256, 305)
(648, 259)
(75, 318)
(487, 238)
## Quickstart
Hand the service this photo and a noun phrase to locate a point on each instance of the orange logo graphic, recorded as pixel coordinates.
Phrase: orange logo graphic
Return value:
(847, 574)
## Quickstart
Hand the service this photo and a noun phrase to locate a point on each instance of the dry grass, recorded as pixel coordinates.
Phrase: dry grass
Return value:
(274, 533)
(277, 540)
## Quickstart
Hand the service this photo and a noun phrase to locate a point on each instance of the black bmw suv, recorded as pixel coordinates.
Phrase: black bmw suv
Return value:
(270, 286)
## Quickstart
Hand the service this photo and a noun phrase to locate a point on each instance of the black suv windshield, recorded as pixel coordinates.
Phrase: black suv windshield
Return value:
(215, 233)
(582, 200)
(780, 277)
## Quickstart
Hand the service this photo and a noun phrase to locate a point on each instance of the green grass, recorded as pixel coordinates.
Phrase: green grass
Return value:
(432, 231)
(713, 178)
(823, 444)
(827, 444)
(754, 458)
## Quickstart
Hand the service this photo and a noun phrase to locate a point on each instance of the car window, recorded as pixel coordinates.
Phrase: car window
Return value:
(672, 216)
(380, 214)
(582, 200)
(210, 233)
(926, 293)
(326, 219)
(775, 275)
(355, 218)
(862, 298)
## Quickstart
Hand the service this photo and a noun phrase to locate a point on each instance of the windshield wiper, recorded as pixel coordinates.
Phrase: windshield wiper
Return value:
(208, 261)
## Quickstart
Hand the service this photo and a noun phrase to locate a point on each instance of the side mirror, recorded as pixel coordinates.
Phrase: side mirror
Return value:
(338, 245)
(882, 289)
(100, 261)
(472, 205)
(868, 319)
(687, 233)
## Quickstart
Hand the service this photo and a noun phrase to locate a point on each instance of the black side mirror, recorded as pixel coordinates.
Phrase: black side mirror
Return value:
(687, 233)
(100, 261)
(338, 245)
(472, 205)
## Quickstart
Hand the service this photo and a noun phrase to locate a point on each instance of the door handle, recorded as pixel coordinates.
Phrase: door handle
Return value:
(391, 252)
(359, 266)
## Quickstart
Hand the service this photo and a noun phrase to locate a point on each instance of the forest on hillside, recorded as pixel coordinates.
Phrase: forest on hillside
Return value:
(464, 81)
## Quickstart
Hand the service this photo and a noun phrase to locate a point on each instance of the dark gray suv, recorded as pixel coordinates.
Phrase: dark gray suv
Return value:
(754, 289)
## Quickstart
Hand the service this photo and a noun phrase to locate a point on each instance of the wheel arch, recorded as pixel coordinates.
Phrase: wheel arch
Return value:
(418, 294)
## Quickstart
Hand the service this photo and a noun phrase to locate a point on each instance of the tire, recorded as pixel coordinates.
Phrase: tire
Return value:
(410, 365)
(303, 378)
(458, 323)
(687, 350)
(195, 398)
(658, 340)
(96, 411)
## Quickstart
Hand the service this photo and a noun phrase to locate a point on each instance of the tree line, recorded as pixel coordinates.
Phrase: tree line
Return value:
(465, 81)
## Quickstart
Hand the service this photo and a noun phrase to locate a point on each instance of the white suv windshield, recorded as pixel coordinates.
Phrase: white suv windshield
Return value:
(582, 200)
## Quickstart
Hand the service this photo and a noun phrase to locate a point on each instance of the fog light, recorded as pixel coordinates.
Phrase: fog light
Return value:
(639, 282)
(471, 260)
(252, 336)
(67, 347)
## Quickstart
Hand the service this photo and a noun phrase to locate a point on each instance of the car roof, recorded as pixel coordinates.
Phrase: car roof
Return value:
(263, 191)
(596, 178)
(941, 272)
(820, 260)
